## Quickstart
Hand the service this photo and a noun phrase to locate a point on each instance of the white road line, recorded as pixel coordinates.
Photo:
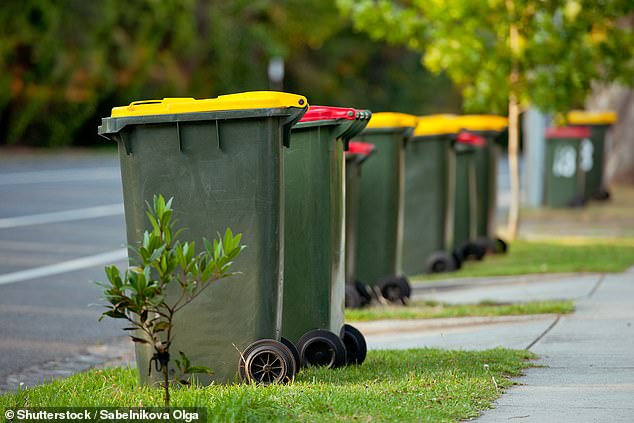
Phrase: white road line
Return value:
(63, 216)
(66, 175)
(64, 267)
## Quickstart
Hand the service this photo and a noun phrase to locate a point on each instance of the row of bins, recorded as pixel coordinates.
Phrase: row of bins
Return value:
(426, 202)
(263, 165)
(336, 205)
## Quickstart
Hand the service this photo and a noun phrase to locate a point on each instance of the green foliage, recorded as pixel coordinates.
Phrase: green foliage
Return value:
(64, 64)
(140, 295)
(564, 45)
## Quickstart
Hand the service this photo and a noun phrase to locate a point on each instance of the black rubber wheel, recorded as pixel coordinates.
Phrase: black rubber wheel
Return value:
(577, 201)
(395, 289)
(502, 246)
(321, 348)
(457, 259)
(473, 251)
(293, 349)
(439, 262)
(365, 292)
(601, 195)
(353, 298)
(488, 244)
(267, 361)
(356, 348)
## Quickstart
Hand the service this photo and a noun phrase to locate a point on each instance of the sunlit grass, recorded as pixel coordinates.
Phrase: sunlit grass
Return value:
(434, 310)
(406, 385)
(561, 255)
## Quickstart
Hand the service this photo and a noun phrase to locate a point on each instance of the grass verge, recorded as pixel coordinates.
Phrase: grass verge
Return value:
(404, 385)
(434, 310)
(566, 255)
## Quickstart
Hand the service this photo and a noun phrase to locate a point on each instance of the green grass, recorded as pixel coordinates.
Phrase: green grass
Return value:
(565, 255)
(406, 385)
(434, 310)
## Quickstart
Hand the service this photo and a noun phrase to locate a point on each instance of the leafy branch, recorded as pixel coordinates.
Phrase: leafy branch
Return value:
(140, 297)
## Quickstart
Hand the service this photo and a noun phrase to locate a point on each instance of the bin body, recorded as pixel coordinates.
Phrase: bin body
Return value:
(428, 201)
(486, 162)
(486, 157)
(314, 270)
(380, 212)
(592, 160)
(354, 164)
(353, 175)
(465, 196)
(565, 180)
(224, 169)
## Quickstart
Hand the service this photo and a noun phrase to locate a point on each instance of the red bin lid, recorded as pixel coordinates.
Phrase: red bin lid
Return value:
(568, 132)
(465, 137)
(328, 113)
(359, 147)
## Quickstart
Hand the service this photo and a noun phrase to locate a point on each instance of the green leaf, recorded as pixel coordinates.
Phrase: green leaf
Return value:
(200, 370)
(160, 326)
(156, 254)
(115, 314)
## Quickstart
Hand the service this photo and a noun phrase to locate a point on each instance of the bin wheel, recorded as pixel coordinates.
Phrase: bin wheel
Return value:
(577, 201)
(356, 348)
(457, 260)
(353, 298)
(439, 262)
(601, 195)
(395, 289)
(321, 348)
(267, 361)
(473, 251)
(502, 246)
(364, 291)
(293, 349)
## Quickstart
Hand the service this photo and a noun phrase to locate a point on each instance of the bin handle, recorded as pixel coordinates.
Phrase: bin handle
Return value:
(288, 124)
(143, 102)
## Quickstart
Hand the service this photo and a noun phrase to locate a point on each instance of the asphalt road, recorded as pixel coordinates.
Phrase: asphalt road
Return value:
(61, 221)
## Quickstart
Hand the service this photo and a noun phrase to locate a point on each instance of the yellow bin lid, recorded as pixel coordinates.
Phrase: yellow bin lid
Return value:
(240, 101)
(582, 117)
(392, 120)
(482, 122)
(436, 125)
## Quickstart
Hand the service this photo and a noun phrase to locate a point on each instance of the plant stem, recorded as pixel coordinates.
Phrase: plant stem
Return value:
(166, 385)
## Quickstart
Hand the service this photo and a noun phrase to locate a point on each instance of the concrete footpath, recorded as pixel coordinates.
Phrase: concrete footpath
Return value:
(586, 371)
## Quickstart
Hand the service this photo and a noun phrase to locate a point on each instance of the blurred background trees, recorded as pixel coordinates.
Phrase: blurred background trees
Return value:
(507, 55)
(65, 63)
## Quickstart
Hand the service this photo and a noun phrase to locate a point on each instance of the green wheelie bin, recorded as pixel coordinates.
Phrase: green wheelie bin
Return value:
(357, 293)
(380, 212)
(593, 151)
(565, 179)
(221, 160)
(429, 197)
(314, 267)
(486, 159)
(465, 221)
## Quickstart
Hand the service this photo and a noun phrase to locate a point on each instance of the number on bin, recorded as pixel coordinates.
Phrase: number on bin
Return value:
(565, 163)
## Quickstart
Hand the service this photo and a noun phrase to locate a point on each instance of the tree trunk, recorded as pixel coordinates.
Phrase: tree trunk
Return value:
(514, 170)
